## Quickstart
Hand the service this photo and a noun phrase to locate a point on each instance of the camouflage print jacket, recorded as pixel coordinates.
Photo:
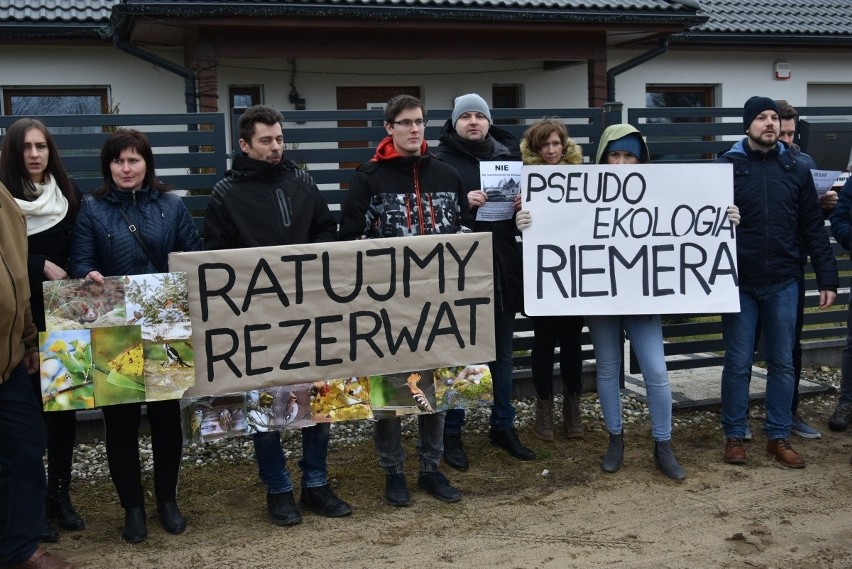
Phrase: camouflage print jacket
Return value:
(399, 196)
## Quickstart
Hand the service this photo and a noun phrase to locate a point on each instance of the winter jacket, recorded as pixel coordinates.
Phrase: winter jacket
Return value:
(840, 215)
(18, 335)
(508, 266)
(259, 204)
(781, 220)
(103, 242)
(616, 131)
(52, 245)
(398, 196)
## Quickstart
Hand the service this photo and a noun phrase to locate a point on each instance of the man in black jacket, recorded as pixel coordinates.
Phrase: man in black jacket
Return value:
(781, 219)
(265, 200)
(468, 138)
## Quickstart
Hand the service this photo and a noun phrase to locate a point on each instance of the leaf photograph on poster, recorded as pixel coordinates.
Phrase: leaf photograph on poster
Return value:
(65, 369)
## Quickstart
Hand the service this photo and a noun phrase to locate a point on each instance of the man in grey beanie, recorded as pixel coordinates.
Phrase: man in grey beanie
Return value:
(781, 221)
(466, 139)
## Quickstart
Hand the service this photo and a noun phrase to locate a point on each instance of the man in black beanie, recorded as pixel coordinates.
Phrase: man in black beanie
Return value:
(781, 220)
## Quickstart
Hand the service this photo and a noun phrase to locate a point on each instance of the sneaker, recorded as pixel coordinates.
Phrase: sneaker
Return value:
(735, 452)
(396, 490)
(784, 453)
(438, 486)
(839, 420)
(454, 454)
(508, 440)
(323, 501)
(747, 436)
(282, 509)
(802, 429)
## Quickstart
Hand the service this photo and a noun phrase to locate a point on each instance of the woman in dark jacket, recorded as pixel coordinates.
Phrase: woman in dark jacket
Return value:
(30, 167)
(104, 245)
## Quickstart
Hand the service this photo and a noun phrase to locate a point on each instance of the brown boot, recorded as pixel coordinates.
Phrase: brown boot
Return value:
(784, 453)
(41, 559)
(571, 415)
(735, 452)
(544, 419)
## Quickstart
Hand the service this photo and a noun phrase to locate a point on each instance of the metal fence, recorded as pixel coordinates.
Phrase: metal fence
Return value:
(192, 151)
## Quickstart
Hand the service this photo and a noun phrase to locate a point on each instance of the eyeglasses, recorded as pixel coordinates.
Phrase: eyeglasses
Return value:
(408, 123)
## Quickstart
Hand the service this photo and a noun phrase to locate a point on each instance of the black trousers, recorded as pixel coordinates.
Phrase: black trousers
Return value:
(61, 435)
(122, 446)
(547, 329)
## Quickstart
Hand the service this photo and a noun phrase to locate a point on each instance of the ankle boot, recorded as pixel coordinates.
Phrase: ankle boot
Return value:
(665, 461)
(58, 505)
(544, 419)
(135, 526)
(614, 453)
(571, 413)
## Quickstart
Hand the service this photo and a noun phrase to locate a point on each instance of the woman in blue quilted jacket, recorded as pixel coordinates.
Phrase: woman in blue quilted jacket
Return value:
(133, 207)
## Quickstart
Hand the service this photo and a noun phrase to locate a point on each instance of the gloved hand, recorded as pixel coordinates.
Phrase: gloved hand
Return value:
(734, 215)
(523, 219)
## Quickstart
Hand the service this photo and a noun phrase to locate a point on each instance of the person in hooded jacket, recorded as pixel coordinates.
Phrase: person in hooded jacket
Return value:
(265, 200)
(468, 138)
(105, 243)
(404, 192)
(546, 142)
(623, 144)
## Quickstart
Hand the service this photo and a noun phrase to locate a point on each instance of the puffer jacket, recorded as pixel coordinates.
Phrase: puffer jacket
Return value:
(259, 204)
(398, 196)
(508, 266)
(18, 334)
(102, 241)
(781, 220)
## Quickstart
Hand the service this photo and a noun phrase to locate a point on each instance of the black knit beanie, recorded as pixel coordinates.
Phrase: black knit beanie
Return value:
(755, 106)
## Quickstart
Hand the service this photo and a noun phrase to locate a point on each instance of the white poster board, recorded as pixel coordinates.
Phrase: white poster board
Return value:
(629, 239)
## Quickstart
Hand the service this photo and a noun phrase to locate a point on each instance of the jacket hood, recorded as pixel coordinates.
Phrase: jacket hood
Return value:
(504, 143)
(386, 150)
(616, 131)
(742, 147)
(571, 154)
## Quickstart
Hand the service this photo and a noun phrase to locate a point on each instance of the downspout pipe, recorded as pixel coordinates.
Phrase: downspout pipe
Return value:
(631, 63)
(191, 93)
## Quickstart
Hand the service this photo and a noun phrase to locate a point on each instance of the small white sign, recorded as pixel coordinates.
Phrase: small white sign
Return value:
(501, 182)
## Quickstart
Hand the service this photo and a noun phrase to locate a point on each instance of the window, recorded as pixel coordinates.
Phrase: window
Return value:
(507, 96)
(680, 96)
(244, 96)
(35, 102)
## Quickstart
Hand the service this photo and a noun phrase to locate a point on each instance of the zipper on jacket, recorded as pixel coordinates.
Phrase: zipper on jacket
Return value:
(283, 207)
(419, 198)
(407, 212)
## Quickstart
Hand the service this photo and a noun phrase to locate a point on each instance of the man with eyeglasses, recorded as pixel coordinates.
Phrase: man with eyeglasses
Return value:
(467, 139)
(403, 191)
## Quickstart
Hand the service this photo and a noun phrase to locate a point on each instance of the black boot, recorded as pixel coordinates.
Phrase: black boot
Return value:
(48, 534)
(58, 505)
(135, 526)
(454, 454)
(665, 461)
(508, 440)
(323, 501)
(171, 518)
(614, 453)
(282, 509)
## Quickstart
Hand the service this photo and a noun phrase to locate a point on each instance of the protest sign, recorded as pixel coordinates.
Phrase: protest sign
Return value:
(629, 239)
(501, 182)
(272, 316)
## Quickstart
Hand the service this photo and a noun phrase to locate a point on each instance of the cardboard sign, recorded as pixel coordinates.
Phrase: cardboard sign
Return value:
(274, 316)
(629, 239)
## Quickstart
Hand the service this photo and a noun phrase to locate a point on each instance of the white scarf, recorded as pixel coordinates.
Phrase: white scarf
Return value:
(47, 209)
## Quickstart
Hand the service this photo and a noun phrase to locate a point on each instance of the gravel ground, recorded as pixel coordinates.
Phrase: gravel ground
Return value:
(90, 459)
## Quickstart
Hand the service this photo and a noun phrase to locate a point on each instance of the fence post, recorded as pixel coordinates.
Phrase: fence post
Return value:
(612, 113)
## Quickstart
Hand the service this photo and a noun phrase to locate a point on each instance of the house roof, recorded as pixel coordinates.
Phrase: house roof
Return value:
(62, 18)
(776, 22)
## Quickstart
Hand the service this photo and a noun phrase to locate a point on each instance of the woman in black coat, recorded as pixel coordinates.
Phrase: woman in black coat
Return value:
(105, 245)
(32, 171)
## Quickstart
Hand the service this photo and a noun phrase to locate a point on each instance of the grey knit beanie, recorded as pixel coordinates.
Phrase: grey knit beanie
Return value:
(470, 103)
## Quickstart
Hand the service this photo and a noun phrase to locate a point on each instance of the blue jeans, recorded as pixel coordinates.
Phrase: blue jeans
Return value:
(646, 337)
(22, 442)
(502, 412)
(430, 442)
(774, 306)
(846, 363)
(272, 464)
